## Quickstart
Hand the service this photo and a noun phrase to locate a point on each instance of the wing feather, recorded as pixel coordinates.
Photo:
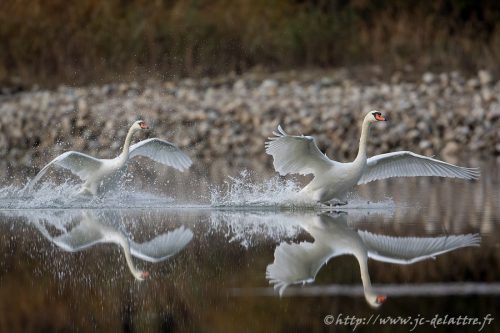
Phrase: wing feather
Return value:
(296, 154)
(408, 164)
(162, 246)
(79, 238)
(79, 164)
(408, 250)
(162, 152)
(296, 263)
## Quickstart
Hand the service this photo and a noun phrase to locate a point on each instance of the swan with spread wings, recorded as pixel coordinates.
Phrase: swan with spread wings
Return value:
(97, 173)
(299, 263)
(333, 180)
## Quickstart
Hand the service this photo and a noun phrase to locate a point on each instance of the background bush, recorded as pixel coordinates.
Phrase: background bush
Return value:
(54, 41)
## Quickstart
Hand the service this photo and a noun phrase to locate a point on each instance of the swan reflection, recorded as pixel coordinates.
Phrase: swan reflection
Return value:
(300, 263)
(96, 227)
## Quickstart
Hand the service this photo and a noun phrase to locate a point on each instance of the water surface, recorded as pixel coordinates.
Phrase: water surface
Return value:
(213, 247)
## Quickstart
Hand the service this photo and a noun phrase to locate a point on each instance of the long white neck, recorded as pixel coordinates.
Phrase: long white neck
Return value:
(126, 145)
(361, 157)
(128, 257)
(365, 279)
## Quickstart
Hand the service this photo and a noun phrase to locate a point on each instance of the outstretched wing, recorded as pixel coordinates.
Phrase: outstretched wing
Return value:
(408, 164)
(79, 164)
(408, 250)
(162, 246)
(296, 154)
(162, 152)
(297, 263)
(79, 238)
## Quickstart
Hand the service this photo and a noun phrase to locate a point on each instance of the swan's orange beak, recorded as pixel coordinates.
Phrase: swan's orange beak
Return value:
(145, 275)
(143, 125)
(380, 117)
(380, 299)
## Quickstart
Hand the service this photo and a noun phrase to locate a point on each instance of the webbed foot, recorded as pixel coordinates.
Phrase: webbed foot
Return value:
(85, 193)
(334, 203)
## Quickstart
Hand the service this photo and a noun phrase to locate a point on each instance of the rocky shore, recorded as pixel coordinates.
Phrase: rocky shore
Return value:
(231, 117)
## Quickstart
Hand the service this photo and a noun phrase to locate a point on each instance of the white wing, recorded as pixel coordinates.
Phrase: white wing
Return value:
(162, 152)
(79, 164)
(79, 238)
(162, 246)
(408, 250)
(296, 154)
(408, 164)
(297, 263)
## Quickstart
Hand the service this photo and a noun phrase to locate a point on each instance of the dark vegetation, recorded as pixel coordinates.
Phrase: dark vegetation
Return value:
(56, 41)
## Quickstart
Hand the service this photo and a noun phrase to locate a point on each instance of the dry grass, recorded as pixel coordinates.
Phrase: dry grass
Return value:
(52, 41)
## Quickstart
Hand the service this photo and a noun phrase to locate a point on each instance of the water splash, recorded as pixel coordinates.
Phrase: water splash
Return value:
(247, 228)
(356, 202)
(278, 193)
(242, 191)
(49, 195)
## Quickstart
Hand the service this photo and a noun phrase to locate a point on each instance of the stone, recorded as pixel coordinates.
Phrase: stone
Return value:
(485, 77)
(232, 116)
(428, 78)
(451, 148)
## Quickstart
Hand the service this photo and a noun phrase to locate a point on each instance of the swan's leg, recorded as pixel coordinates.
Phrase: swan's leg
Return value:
(340, 200)
(89, 189)
(329, 204)
(93, 188)
(336, 202)
(84, 192)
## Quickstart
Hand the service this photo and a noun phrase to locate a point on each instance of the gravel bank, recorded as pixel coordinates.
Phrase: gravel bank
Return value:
(230, 117)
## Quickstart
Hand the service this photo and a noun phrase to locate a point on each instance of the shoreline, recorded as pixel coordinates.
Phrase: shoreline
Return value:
(443, 114)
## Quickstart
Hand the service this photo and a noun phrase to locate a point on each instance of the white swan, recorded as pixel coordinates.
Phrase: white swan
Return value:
(333, 180)
(300, 263)
(96, 173)
(97, 228)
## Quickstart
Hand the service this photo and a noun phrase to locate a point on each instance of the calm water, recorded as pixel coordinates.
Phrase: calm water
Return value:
(214, 252)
